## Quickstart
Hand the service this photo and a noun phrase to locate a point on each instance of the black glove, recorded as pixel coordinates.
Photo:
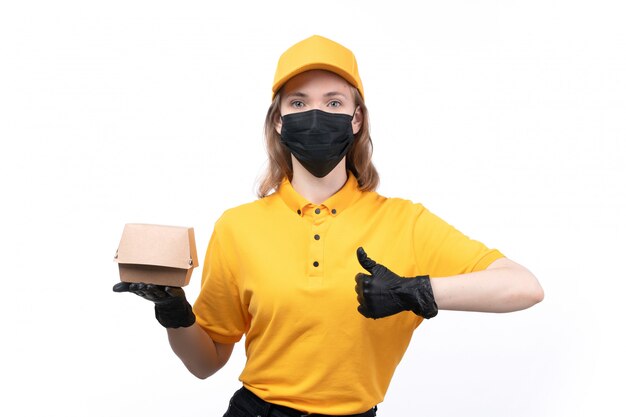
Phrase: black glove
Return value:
(170, 305)
(384, 293)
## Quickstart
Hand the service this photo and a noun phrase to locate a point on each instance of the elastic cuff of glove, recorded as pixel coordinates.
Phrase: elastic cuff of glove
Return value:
(427, 307)
(175, 315)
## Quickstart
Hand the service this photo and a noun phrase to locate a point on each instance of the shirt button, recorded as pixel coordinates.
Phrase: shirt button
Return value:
(316, 264)
(317, 237)
(317, 211)
(334, 211)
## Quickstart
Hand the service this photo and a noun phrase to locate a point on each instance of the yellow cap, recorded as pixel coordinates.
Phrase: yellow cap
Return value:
(317, 52)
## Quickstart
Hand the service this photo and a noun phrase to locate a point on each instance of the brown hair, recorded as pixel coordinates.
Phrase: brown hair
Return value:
(358, 159)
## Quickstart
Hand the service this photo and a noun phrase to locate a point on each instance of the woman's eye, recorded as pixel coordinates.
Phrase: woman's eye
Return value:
(297, 104)
(334, 103)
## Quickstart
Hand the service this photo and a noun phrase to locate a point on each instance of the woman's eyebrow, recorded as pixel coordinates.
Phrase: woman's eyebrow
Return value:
(326, 95)
(334, 94)
(296, 94)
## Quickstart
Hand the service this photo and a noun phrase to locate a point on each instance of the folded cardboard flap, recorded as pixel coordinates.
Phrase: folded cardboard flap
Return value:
(157, 254)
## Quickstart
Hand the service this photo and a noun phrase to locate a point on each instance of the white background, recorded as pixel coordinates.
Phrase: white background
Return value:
(506, 118)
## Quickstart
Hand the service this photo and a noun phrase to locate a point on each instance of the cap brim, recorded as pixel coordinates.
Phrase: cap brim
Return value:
(315, 66)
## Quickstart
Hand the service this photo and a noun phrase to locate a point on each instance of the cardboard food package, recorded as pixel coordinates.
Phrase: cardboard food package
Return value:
(157, 254)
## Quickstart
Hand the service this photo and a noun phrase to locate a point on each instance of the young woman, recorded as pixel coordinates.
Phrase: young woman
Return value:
(325, 324)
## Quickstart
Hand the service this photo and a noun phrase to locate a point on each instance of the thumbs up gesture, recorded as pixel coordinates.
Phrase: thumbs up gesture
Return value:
(383, 293)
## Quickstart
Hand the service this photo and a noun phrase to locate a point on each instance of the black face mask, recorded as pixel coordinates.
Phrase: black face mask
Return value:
(319, 140)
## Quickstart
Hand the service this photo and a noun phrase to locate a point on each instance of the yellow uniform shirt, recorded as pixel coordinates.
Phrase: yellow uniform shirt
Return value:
(281, 271)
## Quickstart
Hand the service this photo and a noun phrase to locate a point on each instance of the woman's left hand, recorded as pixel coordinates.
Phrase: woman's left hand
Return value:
(384, 293)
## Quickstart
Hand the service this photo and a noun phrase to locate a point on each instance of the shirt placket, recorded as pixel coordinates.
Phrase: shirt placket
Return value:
(320, 220)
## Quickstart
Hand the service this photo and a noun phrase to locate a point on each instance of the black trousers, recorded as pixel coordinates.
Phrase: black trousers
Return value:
(245, 404)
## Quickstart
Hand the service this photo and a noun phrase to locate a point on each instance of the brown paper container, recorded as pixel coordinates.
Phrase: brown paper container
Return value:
(157, 254)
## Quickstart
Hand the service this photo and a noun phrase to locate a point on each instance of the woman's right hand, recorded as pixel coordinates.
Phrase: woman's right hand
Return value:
(171, 307)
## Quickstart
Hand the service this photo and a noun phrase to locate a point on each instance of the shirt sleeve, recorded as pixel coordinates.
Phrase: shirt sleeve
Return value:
(442, 251)
(218, 308)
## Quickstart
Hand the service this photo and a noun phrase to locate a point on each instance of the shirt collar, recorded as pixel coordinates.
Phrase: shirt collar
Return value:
(336, 203)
